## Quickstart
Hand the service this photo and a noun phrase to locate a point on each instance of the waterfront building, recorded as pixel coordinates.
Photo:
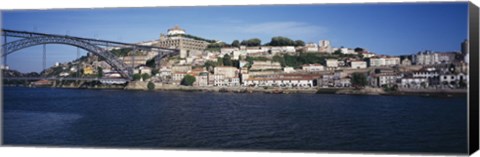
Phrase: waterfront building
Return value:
(177, 77)
(165, 73)
(226, 71)
(358, 64)
(143, 70)
(313, 67)
(426, 73)
(414, 82)
(201, 79)
(244, 75)
(383, 77)
(454, 79)
(342, 82)
(177, 39)
(284, 80)
(215, 79)
(327, 80)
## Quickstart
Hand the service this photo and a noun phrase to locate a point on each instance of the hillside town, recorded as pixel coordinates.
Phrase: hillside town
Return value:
(280, 63)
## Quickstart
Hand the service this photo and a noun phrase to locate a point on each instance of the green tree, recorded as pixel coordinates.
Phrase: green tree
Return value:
(280, 59)
(358, 49)
(136, 77)
(145, 76)
(359, 80)
(151, 63)
(338, 52)
(227, 60)
(187, 80)
(150, 85)
(282, 41)
(236, 43)
(299, 43)
(210, 65)
(219, 61)
(251, 42)
(155, 72)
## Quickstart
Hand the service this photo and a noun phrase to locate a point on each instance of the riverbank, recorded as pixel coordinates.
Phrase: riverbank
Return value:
(138, 85)
(278, 90)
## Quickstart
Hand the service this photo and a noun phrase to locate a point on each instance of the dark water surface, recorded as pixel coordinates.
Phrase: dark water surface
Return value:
(117, 118)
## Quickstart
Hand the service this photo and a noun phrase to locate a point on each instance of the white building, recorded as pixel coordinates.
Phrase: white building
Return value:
(143, 70)
(303, 81)
(453, 78)
(313, 67)
(377, 62)
(226, 71)
(332, 63)
(384, 79)
(358, 64)
(175, 30)
(392, 61)
(288, 70)
(426, 58)
(414, 82)
(324, 46)
(266, 65)
(282, 49)
(347, 51)
(178, 76)
(426, 73)
(406, 62)
(310, 47)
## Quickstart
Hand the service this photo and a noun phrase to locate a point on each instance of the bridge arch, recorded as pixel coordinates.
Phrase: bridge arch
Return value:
(111, 59)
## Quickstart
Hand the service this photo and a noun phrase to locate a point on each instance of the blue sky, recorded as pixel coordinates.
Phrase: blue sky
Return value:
(391, 29)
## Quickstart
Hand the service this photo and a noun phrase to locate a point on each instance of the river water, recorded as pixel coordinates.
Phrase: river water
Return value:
(247, 121)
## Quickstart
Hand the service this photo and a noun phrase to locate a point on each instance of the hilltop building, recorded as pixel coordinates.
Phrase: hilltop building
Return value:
(177, 39)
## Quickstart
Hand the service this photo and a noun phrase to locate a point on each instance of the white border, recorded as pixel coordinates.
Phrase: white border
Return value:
(49, 4)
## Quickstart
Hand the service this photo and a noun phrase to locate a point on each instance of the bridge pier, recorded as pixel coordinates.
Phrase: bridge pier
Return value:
(44, 56)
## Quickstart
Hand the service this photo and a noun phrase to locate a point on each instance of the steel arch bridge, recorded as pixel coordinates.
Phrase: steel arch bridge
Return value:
(95, 46)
